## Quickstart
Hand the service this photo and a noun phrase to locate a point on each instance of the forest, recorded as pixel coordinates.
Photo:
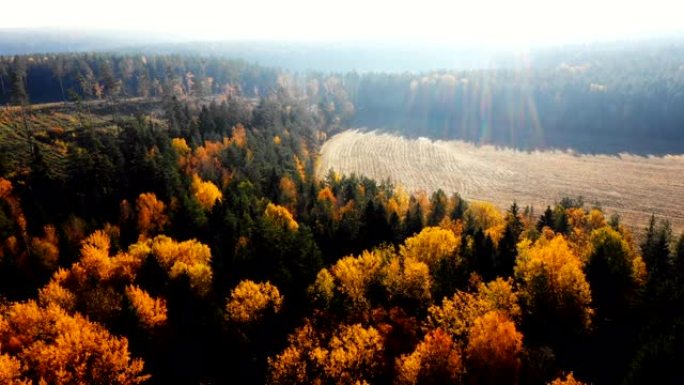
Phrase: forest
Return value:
(161, 223)
(606, 99)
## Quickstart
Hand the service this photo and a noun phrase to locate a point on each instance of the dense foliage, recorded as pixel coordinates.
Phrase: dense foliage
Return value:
(193, 244)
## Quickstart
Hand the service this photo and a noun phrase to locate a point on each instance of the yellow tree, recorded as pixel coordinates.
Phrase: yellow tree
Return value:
(487, 217)
(206, 193)
(352, 354)
(494, 349)
(355, 275)
(95, 283)
(457, 314)
(46, 248)
(250, 302)
(406, 278)
(280, 217)
(431, 246)
(553, 283)
(188, 258)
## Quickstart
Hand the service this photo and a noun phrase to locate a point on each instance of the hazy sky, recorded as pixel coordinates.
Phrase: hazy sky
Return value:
(475, 21)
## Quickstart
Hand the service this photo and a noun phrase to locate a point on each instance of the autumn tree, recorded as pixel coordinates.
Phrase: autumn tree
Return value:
(494, 350)
(457, 315)
(57, 348)
(408, 282)
(288, 193)
(151, 312)
(151, 215)
(436, 360)
(46, 248)
(554, 289)
(485, 216)
(351, 354)
(206, 192)
(431, 246)
(280, 217)
(250, 302)
(355, 276)
(190, 259)
(614, 271)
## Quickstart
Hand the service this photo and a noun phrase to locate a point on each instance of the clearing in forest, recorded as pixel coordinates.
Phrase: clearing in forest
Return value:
(633, 186)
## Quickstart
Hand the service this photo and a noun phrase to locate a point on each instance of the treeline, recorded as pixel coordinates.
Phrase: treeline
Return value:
(65, 77)
(589, 100)
(599, 103)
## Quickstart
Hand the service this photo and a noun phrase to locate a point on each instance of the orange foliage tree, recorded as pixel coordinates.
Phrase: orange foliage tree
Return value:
(151, 215)
(151, 311)
(57, 348)
(494, 349)
(568, 380)
(436, 360)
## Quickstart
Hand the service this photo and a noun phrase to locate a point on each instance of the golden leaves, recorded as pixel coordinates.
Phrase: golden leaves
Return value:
(351, 355)
(151, 216)
(408, 278)
(568, 380)
(494, 349)
(352, 352)
(180, 146)
(551, 272)
(239, 136)
(5, 188)
(431, 246)
(250, 301)
(206, 193)
(59, 348)
(323, 288)
(355, 276)
(10, 371)
(190, 258)
(151, 312)
(436, 360)
(281, 217)
(288, 193)
(457, 315)
(55, 293)
(488, 218)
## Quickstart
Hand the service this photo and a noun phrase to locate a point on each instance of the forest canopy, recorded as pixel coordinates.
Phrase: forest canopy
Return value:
(161, 222)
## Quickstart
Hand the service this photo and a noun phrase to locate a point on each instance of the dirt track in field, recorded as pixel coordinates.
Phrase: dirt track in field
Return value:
(633, 186)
